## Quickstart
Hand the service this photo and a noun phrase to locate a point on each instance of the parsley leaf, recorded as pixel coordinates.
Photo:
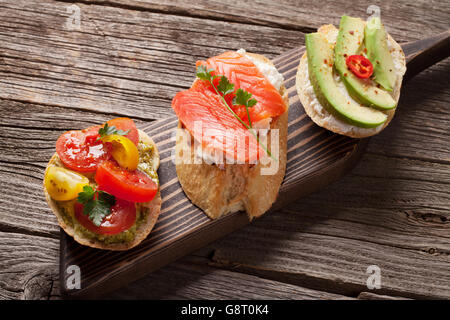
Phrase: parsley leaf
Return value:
(100, 208)
(205, 74)
(242, 98)
(96, 204)
(224, 86)
(87, 194)
(107, 130)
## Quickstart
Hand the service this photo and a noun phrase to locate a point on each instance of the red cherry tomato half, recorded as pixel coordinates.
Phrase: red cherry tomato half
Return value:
(134, 186)
(83, 151)
(126, 124)
(80, 150)
(121, 218)
(360, 66)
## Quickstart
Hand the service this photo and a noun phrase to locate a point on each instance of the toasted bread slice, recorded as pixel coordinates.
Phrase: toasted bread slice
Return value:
(235, 187)
(150, 211)
(320, 115)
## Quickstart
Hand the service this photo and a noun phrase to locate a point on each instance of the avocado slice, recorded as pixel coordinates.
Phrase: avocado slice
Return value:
(349, 42)
(375, 40)
(320, 66)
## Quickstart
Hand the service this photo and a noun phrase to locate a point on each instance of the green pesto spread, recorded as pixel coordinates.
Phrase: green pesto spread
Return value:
(68, 212)
(146, 161)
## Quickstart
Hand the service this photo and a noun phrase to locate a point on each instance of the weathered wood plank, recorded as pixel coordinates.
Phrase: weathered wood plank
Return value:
(23, 207)
(48, 118)
(28, 266)
(398, 200)
(333, 264)
(192, 278)
(374, 296)
(378, 215)
(29, 131)
(130, 66)
(29, 270)
(406, 20)
(420, 128)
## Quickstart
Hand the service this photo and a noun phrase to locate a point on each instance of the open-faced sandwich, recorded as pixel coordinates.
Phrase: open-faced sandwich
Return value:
(232, 136)
(102, 184)
(349, 79)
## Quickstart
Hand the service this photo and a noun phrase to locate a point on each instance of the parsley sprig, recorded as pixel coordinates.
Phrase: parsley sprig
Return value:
(107, 130)
(97, 204)
(223, 88)
(242, 97)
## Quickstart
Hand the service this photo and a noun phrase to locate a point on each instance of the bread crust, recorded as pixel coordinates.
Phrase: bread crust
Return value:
(238, 186)
(152, 207)
(324, 118)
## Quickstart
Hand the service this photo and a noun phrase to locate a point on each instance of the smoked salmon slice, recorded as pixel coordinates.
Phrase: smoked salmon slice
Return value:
(206, 117)
(244, 74)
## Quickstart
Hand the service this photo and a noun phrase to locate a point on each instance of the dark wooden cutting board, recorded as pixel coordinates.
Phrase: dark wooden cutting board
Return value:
(315, 158)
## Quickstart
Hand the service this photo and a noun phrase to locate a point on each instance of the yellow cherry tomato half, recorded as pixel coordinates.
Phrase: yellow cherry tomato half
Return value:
(123, 150)
(63, 184)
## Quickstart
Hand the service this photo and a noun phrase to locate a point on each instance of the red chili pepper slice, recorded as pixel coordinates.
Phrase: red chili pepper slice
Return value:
(360, 66)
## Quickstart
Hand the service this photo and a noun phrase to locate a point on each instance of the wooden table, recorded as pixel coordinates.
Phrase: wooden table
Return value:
(129, 58)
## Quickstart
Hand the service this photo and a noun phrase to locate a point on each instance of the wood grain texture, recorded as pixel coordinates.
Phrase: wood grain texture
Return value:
(27, 265)
(54, 80)
(307, 246)
(408, 20)
(193, 278)
(127, 65)
(374, 296)
(424, 105)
